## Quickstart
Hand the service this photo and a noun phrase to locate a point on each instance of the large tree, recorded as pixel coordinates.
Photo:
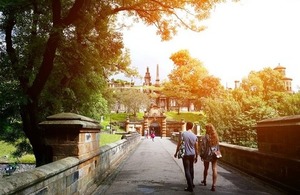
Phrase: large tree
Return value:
(189, 80)
(133, 99)
(263, 83)
(48, 44)
(261, 95)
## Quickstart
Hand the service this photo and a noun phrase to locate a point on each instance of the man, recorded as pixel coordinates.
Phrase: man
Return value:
(190, 156)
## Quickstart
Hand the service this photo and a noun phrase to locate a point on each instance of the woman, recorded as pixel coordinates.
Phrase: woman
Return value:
(152, 135)
(209, 144)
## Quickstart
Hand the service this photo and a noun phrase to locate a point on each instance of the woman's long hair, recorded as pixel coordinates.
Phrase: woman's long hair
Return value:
(212, 133)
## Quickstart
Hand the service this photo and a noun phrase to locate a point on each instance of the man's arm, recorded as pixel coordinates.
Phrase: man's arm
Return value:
(178, 145)
(196, 151)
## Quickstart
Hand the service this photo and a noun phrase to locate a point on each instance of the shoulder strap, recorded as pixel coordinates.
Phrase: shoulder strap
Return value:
(207, 142)
(181, 136)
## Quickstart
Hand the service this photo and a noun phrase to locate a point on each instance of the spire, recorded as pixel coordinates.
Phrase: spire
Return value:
(147, 78)
(157, 76)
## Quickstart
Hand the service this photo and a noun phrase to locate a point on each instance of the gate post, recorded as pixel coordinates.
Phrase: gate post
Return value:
(69, 134)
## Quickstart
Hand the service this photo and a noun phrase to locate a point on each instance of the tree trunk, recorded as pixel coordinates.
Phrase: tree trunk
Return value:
(178, 111)
(43, 154)
(32, 90)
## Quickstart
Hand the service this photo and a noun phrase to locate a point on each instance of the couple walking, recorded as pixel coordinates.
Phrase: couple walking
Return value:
(209, 143)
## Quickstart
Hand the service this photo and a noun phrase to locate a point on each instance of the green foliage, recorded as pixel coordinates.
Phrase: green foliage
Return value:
(133, 99)
(190, 80)
(58, 55)
(289, 104)
(263, 83)
(186, 116)
(261, 96)
(6, 154)
(10, 98)
(27, 158)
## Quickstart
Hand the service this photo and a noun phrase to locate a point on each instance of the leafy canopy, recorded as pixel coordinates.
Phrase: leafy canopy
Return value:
(190, 80)
(57, 55)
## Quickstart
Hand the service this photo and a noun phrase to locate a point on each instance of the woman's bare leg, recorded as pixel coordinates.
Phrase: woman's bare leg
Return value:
(214, 172)
(206, 166)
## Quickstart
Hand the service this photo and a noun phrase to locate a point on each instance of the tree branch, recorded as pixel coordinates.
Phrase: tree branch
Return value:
(49, 54)
(8, 28)
(74, 13)
(52, 44)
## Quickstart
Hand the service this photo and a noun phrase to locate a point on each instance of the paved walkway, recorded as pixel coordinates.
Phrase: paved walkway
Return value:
(152, 169)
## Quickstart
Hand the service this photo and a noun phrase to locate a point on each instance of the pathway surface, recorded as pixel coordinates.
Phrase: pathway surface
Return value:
(152, 169)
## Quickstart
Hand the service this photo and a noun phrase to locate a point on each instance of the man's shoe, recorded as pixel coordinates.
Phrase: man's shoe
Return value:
(188, 190)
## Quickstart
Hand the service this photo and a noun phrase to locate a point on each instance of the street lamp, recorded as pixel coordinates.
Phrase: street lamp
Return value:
(110, 123)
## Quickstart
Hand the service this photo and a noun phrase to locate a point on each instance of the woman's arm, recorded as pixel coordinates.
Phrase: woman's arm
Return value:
(196, 151)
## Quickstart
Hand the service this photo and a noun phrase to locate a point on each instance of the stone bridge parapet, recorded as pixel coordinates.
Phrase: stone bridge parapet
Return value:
(79, 164)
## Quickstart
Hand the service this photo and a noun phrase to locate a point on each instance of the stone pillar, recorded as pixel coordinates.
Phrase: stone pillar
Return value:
(69, 134)
(164, 127)
(183, 127)
(146, 123)
(198, 129)
(127, 124)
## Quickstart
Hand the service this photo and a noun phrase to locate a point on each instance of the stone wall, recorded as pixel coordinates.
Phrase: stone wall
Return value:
(174, 127)
(277, 159)
(79, 163)
(70, 175)
(276, 169)
(280, 136)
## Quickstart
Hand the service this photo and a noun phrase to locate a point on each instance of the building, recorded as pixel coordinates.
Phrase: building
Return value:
(282, 71)
(154, 119)
(153, 90)
(159, 99)
(287, 80)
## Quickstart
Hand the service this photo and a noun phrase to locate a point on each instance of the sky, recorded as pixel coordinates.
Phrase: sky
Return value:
(240, 37)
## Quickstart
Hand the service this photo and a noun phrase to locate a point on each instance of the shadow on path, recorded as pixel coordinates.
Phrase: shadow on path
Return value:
(152, 169)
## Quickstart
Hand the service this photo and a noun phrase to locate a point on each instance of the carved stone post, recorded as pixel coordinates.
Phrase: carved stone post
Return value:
(127, 124)
(69, 134)
(183, 128)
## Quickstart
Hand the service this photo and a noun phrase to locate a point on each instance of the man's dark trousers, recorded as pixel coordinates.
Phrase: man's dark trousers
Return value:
(188, 164)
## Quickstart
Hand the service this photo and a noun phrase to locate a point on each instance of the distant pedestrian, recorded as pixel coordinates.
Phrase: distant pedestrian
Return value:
(190, 154)
(209, 144)
(146, 133)
(152, 135)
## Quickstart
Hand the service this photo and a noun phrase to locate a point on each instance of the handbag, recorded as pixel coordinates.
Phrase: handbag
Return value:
(217, 154)
(181, 150)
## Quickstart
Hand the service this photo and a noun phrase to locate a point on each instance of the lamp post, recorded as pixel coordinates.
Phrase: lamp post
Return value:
(110, 123)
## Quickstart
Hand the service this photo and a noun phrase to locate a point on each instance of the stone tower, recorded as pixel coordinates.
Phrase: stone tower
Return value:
(147, 78)
(287, 81)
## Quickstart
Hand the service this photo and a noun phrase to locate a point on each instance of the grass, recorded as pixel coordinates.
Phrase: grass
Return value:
(7, 157)
(187, 116)
(106, 138)
(5, 152)
(27, 158)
